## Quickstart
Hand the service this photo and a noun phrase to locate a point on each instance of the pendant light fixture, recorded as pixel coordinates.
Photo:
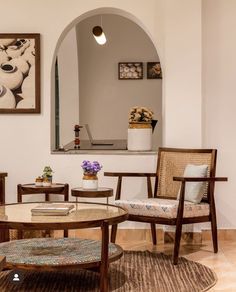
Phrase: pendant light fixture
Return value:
(99, 34)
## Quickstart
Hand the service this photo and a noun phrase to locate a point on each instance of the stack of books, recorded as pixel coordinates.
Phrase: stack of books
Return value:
(52, 209)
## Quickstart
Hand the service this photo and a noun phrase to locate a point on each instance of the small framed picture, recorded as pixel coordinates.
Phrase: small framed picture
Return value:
(130, 71)
(154, 70)
(19, 73)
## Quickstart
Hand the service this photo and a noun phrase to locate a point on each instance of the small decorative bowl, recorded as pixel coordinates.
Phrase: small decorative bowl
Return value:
(38, 182)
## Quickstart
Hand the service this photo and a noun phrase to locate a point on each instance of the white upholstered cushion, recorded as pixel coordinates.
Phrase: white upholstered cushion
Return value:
(194, 191)
(162, 208)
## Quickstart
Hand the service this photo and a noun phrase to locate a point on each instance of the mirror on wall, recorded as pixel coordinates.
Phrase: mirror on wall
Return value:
(88, 89)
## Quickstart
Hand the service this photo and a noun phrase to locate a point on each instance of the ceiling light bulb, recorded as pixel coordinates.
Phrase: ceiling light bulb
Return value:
(99, 35)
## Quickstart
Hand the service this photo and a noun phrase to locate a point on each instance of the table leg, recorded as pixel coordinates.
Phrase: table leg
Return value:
(47, 198)
(19, 200)
(104, 281)
(76, 205)
(47, 232)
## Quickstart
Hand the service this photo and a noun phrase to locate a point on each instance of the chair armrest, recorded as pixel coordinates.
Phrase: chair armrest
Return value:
(131, 174)
(3, 174)
(120, 175)
(195, 179)
(183, 181)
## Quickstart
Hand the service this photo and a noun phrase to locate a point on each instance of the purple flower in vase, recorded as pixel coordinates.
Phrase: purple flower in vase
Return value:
(91, 167)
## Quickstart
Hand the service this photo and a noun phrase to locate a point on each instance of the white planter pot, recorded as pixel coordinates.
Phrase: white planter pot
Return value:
(47, 184)
(140, 139)
(38, 184)
(90, 184)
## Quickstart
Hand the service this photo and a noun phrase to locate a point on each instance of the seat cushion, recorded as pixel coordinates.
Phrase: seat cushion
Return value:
(162, 208)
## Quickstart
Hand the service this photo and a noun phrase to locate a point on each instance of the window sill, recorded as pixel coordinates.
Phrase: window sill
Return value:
(104, 152)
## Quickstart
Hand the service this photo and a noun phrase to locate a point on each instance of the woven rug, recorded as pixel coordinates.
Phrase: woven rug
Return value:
(136, 271)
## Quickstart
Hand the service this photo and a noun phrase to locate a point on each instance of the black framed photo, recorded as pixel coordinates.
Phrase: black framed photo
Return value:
(19, 73)
(130, 70)
(154, 70)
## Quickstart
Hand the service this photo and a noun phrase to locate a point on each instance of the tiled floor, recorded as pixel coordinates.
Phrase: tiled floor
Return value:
(223, 263)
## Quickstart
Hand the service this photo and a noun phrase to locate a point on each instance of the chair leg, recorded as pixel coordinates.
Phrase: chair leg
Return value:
(178, 233)
(214, 233)
(113, 233)
(154, 236)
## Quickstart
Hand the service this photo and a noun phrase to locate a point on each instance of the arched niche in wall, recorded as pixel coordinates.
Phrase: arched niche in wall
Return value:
(87, 89)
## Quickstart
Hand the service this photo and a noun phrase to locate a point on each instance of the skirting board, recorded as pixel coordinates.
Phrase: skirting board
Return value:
(124, 235)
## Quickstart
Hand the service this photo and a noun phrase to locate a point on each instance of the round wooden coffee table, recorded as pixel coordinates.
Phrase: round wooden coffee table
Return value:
(51, 254)
(91, 193)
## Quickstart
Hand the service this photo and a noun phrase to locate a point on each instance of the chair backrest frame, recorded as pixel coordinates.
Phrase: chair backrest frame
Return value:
(211, 161)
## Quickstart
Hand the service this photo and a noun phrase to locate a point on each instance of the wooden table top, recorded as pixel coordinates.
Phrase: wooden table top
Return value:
(100, 192)
(33, 187)
(83, 215)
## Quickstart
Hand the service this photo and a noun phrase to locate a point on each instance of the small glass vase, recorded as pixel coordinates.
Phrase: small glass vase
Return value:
(90, 181)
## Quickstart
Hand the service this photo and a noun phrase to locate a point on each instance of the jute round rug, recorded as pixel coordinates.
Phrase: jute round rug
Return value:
(136, 271)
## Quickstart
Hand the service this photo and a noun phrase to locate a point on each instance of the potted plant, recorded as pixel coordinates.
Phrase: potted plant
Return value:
(141, 126)
(47, 176)
(90, 169)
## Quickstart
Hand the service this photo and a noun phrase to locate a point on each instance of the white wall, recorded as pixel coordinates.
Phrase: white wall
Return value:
(219, 98)
(105, 100)
(68, 73)
(183, 73)
(174, 27)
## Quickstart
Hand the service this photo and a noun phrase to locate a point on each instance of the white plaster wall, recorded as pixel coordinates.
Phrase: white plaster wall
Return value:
(174, 27)
(182, 93)
(68, 73)
(219, 99)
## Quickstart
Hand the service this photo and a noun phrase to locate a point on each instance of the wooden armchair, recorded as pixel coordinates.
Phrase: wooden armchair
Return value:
(164, 207)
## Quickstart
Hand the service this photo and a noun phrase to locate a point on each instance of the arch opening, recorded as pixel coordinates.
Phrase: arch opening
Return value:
(96, 91)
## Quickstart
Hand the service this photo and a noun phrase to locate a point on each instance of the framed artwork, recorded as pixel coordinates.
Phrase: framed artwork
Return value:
(130, 71)
(154, 70)
(19, 73)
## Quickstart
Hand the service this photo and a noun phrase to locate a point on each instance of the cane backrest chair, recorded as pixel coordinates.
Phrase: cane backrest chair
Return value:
(167, 205)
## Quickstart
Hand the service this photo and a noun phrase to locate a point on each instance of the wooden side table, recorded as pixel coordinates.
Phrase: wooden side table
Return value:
(87, 193)
(29, 189)
(4, 234)
(55, 188)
